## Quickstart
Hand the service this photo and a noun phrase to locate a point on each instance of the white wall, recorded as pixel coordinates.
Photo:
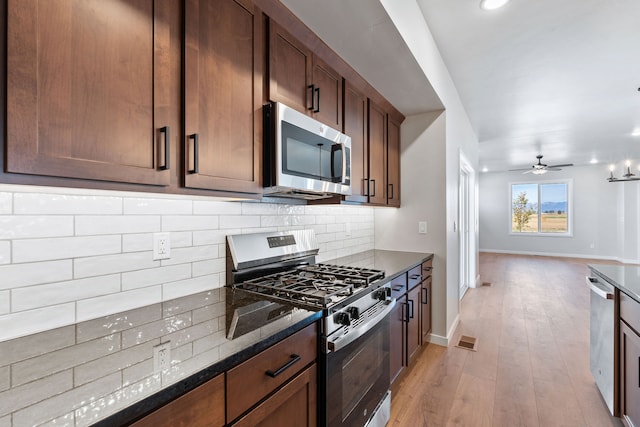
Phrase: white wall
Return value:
(596, 215)
(70, 255)
(459, 137)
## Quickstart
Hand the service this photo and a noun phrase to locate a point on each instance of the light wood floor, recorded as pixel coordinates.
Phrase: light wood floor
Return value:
(531, 367)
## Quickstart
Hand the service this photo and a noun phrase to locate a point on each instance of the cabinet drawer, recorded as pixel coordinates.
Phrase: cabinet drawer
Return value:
(399, 286)
(254, 379)
(630, 311)
(427, 266)
(415, 277)
(201, 407)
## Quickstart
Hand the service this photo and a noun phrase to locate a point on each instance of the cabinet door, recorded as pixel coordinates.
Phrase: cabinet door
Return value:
(397, 332)
(355, 126)
(202, 407)
(425, 314)
(223, 95)
(414, 336)
(290, 64)
(377, 155)
(630, 374)
(88, 88)
(393, 163)
(293, 405)
(327, 96)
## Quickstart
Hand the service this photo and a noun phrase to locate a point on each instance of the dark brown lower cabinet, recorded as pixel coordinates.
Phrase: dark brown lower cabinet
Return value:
(293, 405)
(201, 407)
(630, 375)
(396, 347)
(425, 315)
(414, 335)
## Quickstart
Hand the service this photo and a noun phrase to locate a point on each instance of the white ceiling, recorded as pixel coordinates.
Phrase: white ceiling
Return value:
(552, 77)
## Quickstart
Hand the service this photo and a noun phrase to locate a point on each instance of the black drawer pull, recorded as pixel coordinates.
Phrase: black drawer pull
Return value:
(294, 359)
(425, 300)
(194, 137)
(167, 142)
(415, 277)
(397, 287)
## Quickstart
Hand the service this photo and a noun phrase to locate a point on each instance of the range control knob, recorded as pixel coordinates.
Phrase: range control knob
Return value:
(354, 312)
(342, 319)
(383, 294)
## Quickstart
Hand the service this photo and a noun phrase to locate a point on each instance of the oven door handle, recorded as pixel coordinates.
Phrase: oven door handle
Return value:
(354, 334)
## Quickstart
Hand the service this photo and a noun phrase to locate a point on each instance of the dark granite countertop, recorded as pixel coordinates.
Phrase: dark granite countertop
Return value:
(392, 262)
(624, 277)
(267, 324)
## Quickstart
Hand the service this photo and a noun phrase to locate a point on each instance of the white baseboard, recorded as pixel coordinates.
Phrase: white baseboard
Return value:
(444, 341)
(555, 254)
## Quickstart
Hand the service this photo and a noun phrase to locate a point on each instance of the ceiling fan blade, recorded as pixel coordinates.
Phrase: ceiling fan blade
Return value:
(566, 165)
(553, 169)
(521, 169)
(529, 171)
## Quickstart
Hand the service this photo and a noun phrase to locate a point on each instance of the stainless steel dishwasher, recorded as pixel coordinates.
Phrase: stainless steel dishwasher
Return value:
(602, 329)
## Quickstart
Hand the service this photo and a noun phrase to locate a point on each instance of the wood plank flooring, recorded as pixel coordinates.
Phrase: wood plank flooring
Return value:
(531, 367)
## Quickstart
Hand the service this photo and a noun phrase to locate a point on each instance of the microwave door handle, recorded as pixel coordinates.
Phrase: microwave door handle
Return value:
(335, 148)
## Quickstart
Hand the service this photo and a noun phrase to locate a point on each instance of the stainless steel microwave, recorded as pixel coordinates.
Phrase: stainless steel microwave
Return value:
(303, 158)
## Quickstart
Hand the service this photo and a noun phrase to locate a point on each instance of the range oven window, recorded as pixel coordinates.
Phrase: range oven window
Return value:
(309, 155)
(358, 377)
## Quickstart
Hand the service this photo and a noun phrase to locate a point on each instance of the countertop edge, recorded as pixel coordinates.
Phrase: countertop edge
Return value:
(608, 279)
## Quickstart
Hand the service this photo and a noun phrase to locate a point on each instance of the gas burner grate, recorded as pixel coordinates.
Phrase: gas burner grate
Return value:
(358, 276)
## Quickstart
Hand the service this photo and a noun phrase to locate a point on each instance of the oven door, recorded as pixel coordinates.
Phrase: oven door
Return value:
(357, 375)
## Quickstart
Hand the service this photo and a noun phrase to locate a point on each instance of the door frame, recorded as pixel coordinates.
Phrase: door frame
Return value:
(467, 220)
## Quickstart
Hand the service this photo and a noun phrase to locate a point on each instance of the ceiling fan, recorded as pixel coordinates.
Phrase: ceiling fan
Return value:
(540, 168)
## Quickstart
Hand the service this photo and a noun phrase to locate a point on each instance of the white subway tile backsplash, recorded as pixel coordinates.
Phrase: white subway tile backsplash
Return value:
(36, 344)
(66, 204)
(116, 224)
(146, 206)
(210, 237)
(24, 323)
(5, 252)
(55, 293)
(5, 421)
(5, 378)
(239, 221)
(139, 371)
(115, 303)
(5, 302)
(6, 203)
(31, 250)
(17, 275)
(155, 276)
(67, 420)
(189, 222)
(206, 207)
(190, 286)
(109, 325)
(109, 264)
(191, 254)
(210, 266)
(155, 330)
(34, 226)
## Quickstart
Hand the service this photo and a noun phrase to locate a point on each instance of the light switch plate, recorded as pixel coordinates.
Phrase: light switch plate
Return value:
(422, 227)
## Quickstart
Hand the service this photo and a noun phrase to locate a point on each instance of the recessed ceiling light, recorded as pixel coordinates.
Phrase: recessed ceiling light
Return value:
(636, 132)
(593, 161)
(485, 169)
(492, 4)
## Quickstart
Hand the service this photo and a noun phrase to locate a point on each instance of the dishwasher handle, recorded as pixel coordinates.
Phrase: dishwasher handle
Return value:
(598, 289)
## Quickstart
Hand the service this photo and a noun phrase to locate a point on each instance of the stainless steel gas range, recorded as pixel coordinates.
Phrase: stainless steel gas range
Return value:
(354, 332)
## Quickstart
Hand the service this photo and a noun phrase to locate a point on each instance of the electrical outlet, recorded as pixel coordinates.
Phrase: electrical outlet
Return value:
(162, 357)
(422, 227)
(161, 246)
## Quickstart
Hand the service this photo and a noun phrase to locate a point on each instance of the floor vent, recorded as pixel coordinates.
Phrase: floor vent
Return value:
(487, 284)
(468, 343)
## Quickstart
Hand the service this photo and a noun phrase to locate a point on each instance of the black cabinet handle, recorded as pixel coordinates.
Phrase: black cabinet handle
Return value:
(365, 182)
(405, 312)
(411, 309)
(391, 191)
(425, 294)
(294, 359)
(414, 277)
(194, 138)
(397, 287)
(374, 187)
(167, 141)
(317, 91)
(313, 96)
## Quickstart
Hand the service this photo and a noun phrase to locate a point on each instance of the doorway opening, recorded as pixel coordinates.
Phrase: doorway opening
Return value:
(466, 203)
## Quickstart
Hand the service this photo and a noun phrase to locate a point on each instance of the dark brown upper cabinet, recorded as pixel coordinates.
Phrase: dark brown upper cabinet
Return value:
(224, 48)
(377, 131)
(301, 80)
(88, 91)
(393, 162)
(355, 125)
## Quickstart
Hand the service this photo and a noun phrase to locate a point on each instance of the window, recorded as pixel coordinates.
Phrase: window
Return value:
(541, 208)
